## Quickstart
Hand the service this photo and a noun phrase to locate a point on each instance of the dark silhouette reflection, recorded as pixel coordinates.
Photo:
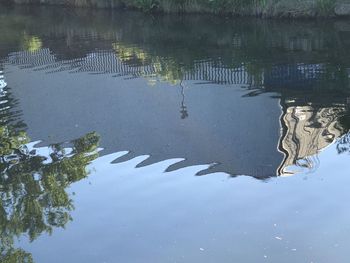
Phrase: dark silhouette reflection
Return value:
(305, 65)
(33, 180)
(183, 111)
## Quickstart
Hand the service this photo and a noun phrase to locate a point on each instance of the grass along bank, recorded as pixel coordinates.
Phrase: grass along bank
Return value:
(294, 8)
(264, 8)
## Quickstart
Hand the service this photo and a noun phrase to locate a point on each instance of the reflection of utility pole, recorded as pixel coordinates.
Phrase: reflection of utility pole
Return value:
(183, 111)
(2, 82)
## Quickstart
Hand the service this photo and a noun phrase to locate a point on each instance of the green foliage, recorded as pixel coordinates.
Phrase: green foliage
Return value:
(239, 7)
(16, 256)
(325, 7)
(147, 5)
(33, 197)
(280, 8)
(233, 5)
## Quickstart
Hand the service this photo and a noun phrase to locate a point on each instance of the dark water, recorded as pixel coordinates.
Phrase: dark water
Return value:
(136, 138)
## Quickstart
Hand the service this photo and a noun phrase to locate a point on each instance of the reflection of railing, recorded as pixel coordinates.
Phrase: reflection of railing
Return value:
(218, 73)
(293, 76)
(108, 62)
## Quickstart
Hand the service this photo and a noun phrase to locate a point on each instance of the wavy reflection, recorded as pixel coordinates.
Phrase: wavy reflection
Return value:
(308, 130)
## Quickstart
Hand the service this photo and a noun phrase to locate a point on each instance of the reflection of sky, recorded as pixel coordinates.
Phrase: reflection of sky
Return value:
(177, 217)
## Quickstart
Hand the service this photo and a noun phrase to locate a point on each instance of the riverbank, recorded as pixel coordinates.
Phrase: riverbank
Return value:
(261, 8)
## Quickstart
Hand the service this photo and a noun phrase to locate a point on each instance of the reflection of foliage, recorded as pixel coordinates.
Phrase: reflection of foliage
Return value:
(31, 43)
(10, 139)
(173, 43)
(33, 197)
(239, 7)
(165, 69)
(343, 144)
(172, 47)
(168, 70)
(130, 53)
(16, 256)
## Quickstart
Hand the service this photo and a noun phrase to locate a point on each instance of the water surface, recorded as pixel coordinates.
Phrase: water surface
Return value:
(135, 138)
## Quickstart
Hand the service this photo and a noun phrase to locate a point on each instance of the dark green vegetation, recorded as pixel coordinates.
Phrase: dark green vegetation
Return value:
(266, 8)
(239, 7)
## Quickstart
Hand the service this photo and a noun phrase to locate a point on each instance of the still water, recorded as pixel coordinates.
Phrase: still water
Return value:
(127, 137)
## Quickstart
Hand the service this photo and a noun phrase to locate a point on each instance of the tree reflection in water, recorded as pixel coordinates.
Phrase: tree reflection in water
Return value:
(33, 181)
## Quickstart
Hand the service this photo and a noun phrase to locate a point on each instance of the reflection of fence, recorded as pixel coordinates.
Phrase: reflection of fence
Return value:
(215, 72)
(293, 76)
(28, 59)
(107, 62)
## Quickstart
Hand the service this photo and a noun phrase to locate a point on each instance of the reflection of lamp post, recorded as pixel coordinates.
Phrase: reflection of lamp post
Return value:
(183, 111)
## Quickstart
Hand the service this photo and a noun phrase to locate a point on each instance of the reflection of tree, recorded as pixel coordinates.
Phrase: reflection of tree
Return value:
(343, 144)
(171, 45)
(165, 69)
(31, 43)
(33, 197)
(16, 256)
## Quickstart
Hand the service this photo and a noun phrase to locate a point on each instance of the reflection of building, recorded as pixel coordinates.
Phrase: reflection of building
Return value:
(293, 76)
(307, 130)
